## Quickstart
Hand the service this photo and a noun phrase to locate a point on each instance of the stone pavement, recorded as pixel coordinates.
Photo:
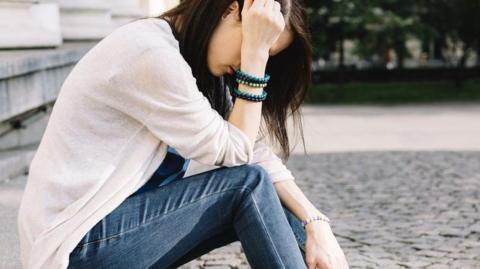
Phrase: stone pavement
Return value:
(400, 184)
(399, 209)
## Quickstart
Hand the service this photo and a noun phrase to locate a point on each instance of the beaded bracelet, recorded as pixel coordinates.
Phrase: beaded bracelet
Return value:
(255, 85)
(318, 217)
(246, 77)
(249, 96)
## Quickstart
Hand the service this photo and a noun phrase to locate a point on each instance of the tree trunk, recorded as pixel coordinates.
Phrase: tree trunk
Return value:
(478, 54)
(460, 76)
(341, 48)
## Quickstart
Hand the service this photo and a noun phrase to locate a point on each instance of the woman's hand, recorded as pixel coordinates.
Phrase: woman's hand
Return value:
(322, 249)
(262, 24)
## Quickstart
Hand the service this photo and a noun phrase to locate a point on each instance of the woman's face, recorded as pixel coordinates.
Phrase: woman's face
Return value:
(224, 49)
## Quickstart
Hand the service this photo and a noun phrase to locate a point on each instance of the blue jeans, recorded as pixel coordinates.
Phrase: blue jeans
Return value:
(174, 223)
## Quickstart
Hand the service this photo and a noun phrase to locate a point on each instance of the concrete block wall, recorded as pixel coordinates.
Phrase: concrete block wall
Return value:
(29, 84)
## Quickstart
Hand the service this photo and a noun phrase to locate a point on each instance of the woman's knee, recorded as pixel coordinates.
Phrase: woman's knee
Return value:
(250, 176)
(254, 176)
(256, 179)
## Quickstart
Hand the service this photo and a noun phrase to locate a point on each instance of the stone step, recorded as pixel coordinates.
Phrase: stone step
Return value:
(15, 162)
(31, 78)
(10, 196)
(85, 19)
(26, 24)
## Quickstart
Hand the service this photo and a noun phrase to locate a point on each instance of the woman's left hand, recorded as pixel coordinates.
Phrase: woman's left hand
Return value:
(321, 247)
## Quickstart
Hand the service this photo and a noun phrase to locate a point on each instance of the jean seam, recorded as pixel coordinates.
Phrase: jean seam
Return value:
(157, 217)
(299, 238)
(302, 243)
(266, 230)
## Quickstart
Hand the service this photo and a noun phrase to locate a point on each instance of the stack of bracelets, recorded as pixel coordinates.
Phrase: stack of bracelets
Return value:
(249, 80)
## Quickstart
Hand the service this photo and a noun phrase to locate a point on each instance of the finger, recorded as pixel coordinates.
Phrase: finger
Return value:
(275, 6)
(269, 5)
(322, 265)
(277, 11)
(258, 3)
(247, 4)
(279, 14)
(311, 265)
(334, 263)
(310, 261)
(342, 262)
(331, 261)
(269, 9)
(323, 262)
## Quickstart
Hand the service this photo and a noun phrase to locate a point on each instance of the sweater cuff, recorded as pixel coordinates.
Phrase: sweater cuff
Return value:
(244, 143)
(279, 175)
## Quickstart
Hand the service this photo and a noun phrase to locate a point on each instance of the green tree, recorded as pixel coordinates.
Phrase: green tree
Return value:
(376, 26)
(387, 25)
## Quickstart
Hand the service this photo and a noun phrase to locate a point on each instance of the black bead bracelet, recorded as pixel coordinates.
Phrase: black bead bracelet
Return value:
(249, 96)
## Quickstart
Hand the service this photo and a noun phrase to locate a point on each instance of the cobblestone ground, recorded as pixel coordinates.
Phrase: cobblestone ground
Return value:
(389, 209)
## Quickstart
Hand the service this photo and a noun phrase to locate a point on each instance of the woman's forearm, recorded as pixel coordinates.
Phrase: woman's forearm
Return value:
(246, 115)
(295, 200)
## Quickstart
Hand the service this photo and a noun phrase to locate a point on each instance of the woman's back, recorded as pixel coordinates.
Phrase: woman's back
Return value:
(94, 150)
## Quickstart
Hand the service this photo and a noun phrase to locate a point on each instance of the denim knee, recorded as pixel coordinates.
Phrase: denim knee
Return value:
(255, 181)
(255, 175)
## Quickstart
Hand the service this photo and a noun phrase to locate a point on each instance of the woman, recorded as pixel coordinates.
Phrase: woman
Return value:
(106, 187)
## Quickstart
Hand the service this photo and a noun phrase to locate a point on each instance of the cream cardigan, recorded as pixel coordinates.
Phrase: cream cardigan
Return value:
(128, 98)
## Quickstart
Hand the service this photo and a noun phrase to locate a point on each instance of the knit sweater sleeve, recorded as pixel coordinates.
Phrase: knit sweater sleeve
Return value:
(266, 158)
(157, 87)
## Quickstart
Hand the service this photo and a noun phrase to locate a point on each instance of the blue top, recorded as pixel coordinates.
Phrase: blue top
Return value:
(172, 167)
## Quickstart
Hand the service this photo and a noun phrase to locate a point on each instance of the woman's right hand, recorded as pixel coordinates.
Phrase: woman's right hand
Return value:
(262, 24)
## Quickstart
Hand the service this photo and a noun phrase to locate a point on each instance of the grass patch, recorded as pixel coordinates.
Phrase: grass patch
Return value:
(394, 93)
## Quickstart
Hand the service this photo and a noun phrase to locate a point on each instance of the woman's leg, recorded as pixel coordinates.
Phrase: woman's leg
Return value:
(159, 227)
(230, 236)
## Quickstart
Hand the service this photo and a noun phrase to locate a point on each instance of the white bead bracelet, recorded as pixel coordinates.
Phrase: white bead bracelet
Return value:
(318, 217)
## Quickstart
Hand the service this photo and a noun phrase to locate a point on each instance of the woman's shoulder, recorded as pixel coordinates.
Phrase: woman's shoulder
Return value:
(146, 42)
(131, 43)
(146, 33)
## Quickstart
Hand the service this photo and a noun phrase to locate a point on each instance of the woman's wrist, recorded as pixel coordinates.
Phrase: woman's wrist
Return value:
(253, 69)
(249, 52)
(317, 226)
(254, 62)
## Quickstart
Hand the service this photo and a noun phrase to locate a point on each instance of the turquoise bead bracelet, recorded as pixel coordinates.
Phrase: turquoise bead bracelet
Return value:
(244, 76)
(249, 96)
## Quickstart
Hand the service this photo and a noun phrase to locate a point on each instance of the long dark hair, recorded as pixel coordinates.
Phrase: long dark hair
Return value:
(290, 70)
